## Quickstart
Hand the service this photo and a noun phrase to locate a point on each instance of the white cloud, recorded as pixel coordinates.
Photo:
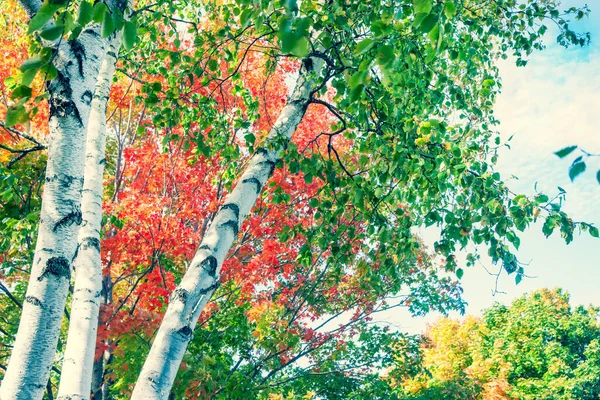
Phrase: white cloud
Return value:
(552, 103)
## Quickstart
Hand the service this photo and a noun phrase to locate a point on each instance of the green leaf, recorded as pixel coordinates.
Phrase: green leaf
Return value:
(422, 6)
(576, 169)
(28, 76)
(290, 6)
(434, 34)
(301, 47)
(213, 65)
(598, 176)
(289, 41)
(85, 14)
(108, 25)
(283, 237)
(385, 54)
(65, 19)
(428, 23)
(449, 9)
(118, 20)
(594, 231)
(32, 63)
(118, 223)
(246, 17)
(250, 139)
(99, 10)
(460, 273)
(16, 115)
(514, 239)
(364, 46)
(42, 17)
(358, 78)
(129, 34)
(419, 19)
(566, 151)
(48, 71)
(21, 92)
(52, 32)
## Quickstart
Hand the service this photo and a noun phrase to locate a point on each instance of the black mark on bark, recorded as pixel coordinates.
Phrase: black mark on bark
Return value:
(86, 97)
(302, 104)
(255, 181)
(33, 300)
(61, 99)
(79, 52)
(209, 289)
(65, 181)
(57, 266)
(270, 164)
(233, 225)
(186, 331)
(180, 295)
(263, 151)
(210, 265)
(88, 242)
(308, 64)
(74, 217)
(91, 32)
(233, 207)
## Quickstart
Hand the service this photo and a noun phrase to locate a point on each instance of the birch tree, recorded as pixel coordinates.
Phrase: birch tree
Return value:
(74, 65)
(202, 277)
(71, 92)
(79, 354)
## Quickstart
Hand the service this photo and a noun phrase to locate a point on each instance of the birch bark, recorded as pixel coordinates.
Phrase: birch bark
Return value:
(202, 277)
(77, 63)
(76, 376)
(101, 385)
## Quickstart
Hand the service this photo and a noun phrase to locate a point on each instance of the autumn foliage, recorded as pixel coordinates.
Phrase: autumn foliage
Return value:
(329, 244)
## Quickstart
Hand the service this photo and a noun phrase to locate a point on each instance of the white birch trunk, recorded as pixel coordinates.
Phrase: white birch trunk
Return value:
(71, 92)
(202, 277)
(78, 362)
(100, 388)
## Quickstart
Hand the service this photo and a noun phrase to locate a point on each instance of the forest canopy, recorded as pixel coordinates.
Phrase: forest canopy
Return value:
(539, 347)
(216, 199)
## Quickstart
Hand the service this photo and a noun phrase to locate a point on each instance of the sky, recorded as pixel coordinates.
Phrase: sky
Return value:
(551, 103)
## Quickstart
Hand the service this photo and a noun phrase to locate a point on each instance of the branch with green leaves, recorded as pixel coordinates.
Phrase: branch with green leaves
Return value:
(578, 166)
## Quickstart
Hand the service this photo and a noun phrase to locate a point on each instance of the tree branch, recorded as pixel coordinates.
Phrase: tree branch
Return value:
(22, 134)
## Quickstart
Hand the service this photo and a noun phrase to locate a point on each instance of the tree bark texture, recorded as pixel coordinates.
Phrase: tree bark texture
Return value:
(71, 92)
(101, 386)
(78, 362)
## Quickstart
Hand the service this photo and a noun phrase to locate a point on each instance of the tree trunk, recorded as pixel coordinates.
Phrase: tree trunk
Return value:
(77, 62)
(201, 279)
(78, 364)
(100, 388)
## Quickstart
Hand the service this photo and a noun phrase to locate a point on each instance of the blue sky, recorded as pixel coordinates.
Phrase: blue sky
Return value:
(552, 103)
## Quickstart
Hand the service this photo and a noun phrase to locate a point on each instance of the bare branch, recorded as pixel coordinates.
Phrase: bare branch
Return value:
(22, 134)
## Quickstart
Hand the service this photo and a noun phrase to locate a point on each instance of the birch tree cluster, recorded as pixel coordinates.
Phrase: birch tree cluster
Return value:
(215, 199)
